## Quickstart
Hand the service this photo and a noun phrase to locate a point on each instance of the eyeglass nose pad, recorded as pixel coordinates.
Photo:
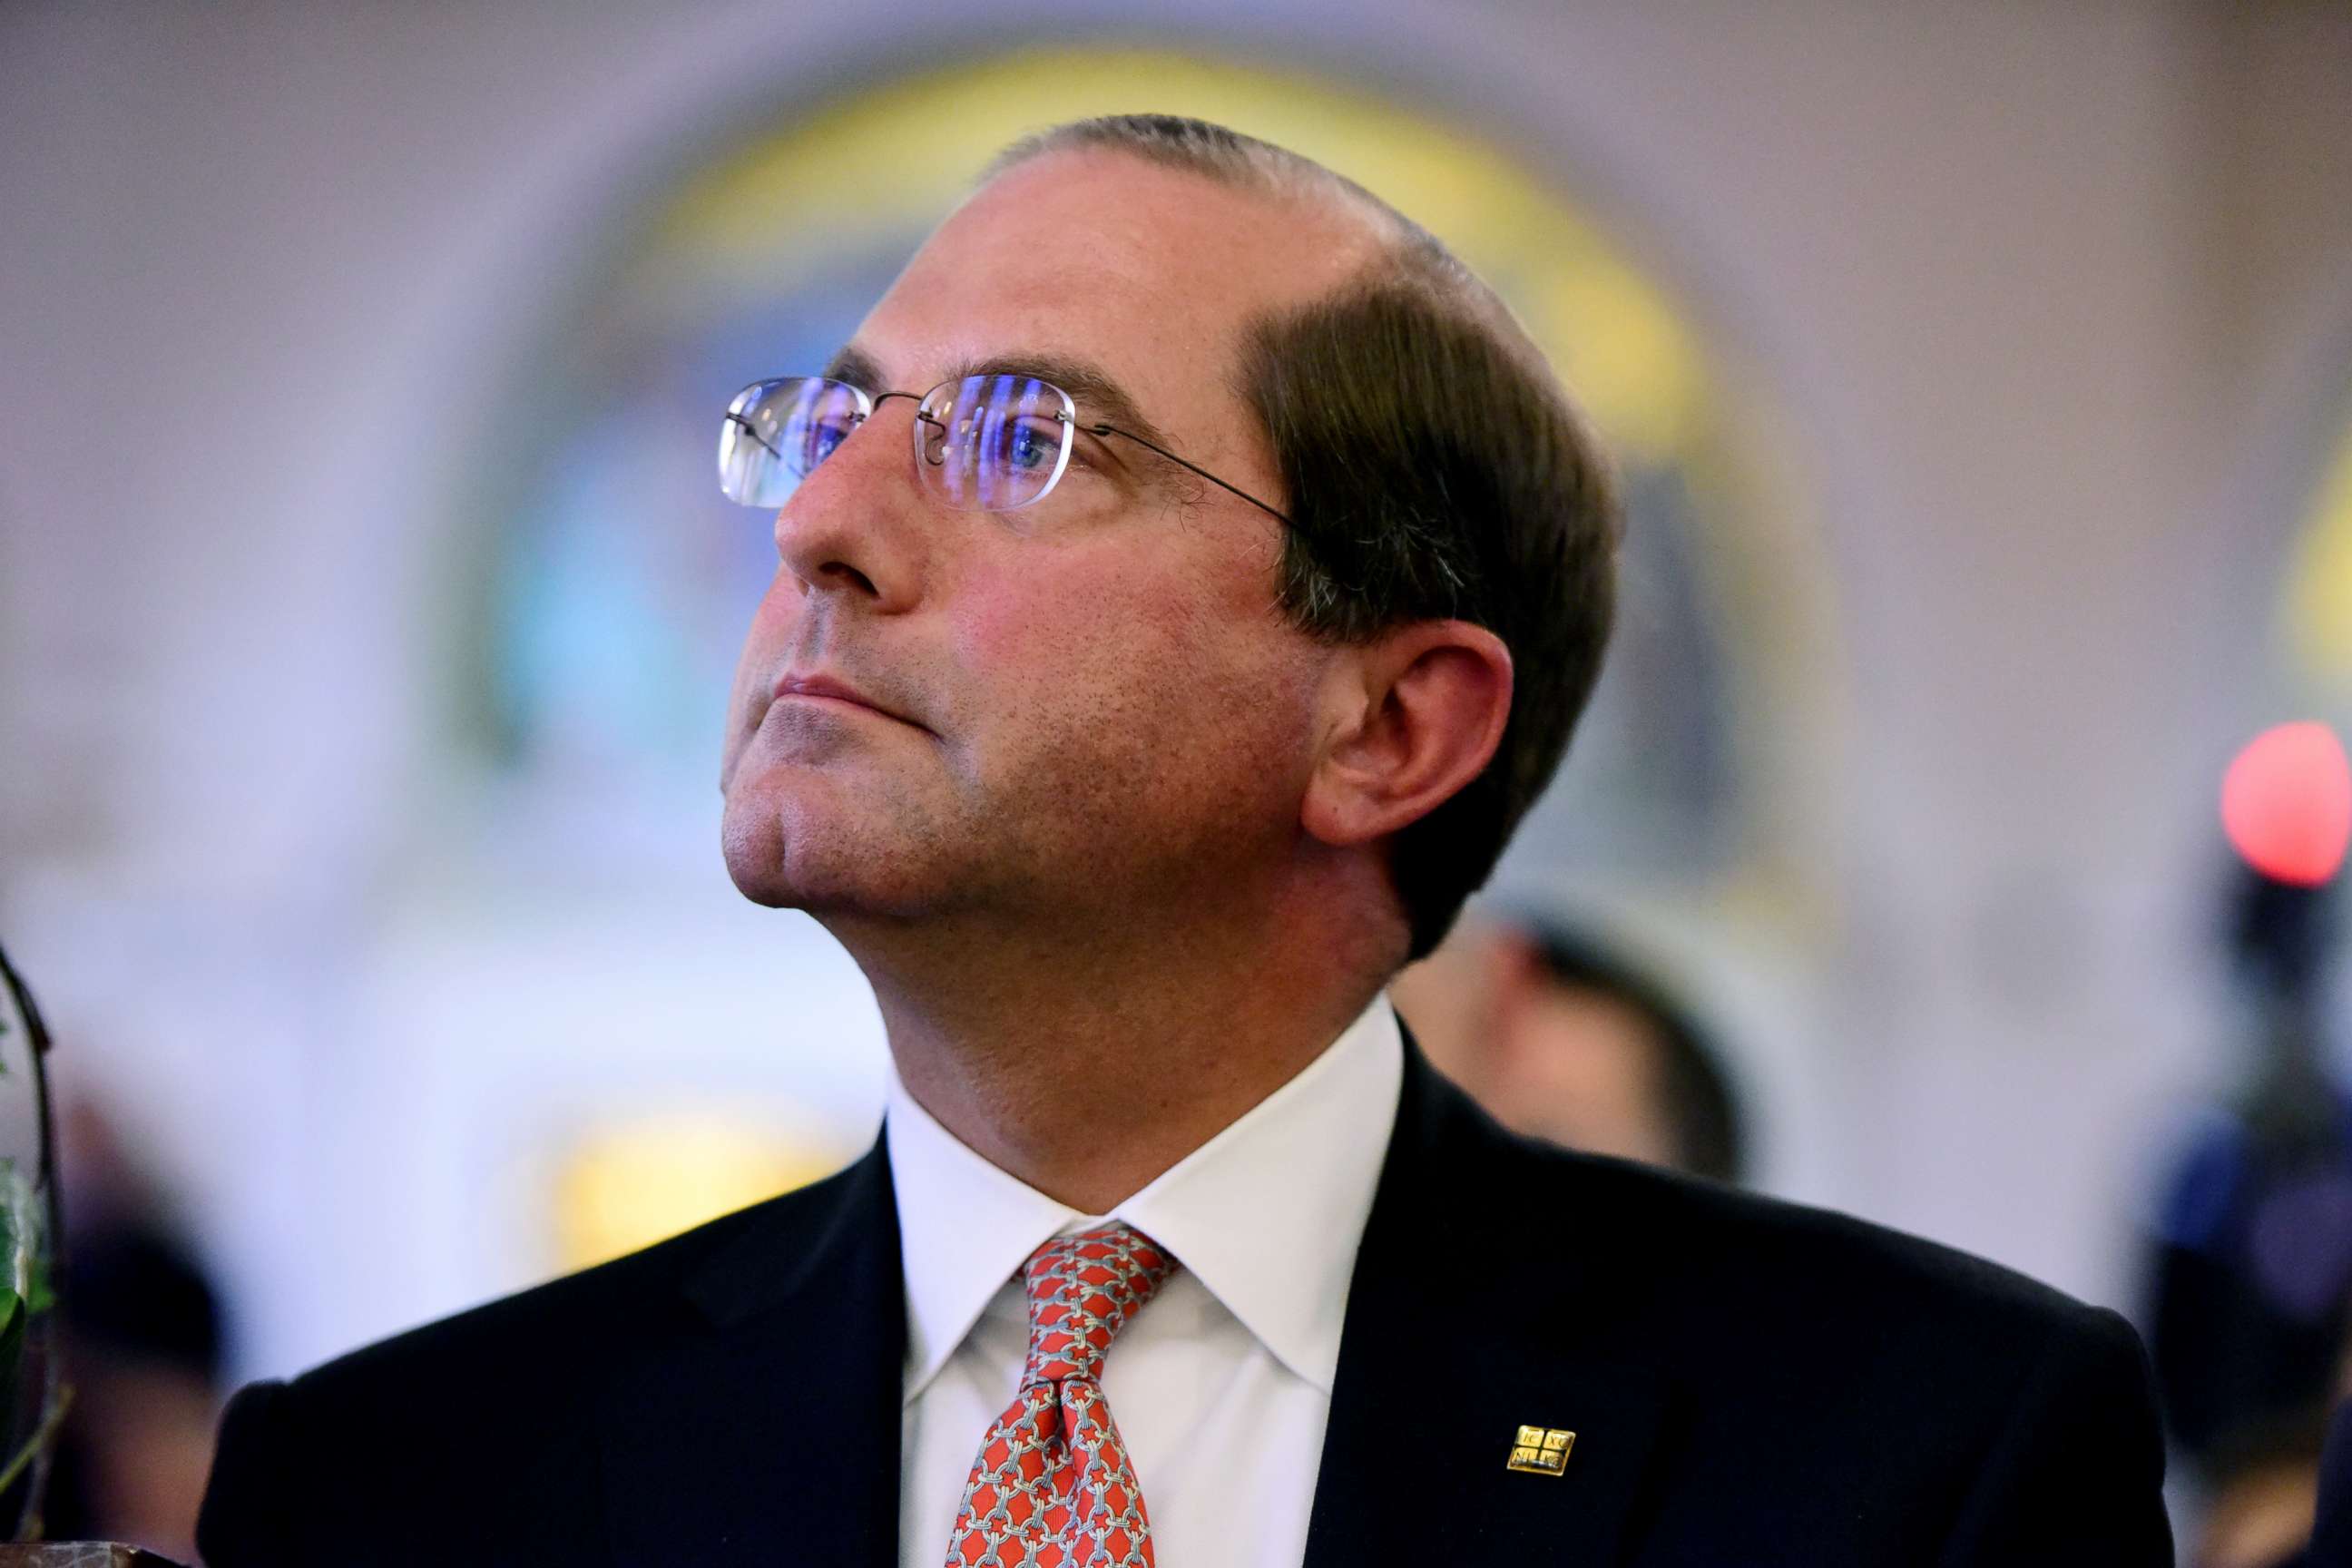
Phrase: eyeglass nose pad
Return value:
(933, 441)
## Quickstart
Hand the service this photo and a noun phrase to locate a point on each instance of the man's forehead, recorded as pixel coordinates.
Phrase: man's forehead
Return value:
(1126, 219)
(1107, 259)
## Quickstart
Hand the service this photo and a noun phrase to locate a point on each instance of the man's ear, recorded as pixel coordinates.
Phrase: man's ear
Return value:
(1413, 716)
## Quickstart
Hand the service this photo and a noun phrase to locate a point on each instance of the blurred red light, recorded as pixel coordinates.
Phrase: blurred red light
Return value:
(2286, 804)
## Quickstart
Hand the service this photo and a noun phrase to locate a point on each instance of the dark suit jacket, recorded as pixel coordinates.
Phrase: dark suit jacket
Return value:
(1750, 1382)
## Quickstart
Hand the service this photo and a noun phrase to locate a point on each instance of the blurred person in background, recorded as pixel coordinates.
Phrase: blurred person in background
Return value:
(1560, 1038)
(2251, 1274)
(1132, 704)
(142, 1337)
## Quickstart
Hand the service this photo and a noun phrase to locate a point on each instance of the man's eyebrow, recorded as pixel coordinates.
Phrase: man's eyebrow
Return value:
(1100, 398)
(854, 365)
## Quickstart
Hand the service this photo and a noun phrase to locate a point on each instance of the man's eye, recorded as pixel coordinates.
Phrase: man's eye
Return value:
(819, 440)
(1031, 448)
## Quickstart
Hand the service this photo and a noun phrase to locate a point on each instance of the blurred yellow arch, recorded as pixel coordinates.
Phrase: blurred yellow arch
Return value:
(2318, 607)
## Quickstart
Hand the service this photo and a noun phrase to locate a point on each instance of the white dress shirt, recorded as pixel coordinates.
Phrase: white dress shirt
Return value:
(1222, 1385)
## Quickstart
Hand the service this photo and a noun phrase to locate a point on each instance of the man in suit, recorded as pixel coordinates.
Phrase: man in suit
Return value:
(1132, 703)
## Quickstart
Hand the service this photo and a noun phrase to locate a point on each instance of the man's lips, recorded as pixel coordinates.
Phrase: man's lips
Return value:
(819, 687)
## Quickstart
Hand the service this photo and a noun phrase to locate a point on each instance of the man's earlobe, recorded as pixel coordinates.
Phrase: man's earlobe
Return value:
(1434, 697)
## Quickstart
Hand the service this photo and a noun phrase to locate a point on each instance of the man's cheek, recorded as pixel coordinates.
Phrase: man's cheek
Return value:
(772, 619)
(1044, 640)
(771, 623)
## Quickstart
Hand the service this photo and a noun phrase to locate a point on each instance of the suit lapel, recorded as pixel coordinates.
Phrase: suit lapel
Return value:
(1472, 1313)
(763, 1422)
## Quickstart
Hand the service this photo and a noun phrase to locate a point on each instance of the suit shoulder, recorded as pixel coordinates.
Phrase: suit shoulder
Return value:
(1799, 1272)
(497, 1415)
(569, 1321)
(1918, 1395)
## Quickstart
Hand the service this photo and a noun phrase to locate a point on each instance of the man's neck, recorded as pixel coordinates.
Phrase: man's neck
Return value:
(1086, 1080)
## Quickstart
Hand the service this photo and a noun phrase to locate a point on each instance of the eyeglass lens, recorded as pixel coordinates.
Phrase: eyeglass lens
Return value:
(982, 443)
(993, 442)
(777, 432)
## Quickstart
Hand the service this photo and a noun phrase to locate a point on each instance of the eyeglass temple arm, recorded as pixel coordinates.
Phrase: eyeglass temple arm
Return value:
(751, 431)
(1193, 468)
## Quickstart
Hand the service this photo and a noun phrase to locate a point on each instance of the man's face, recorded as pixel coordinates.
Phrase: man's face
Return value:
(1096, 701)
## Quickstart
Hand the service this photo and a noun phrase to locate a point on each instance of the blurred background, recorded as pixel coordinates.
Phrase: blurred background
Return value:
(1983, 376)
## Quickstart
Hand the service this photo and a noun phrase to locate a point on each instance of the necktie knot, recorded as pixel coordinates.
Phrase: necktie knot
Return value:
(1052, 1486)
(1083, 1289)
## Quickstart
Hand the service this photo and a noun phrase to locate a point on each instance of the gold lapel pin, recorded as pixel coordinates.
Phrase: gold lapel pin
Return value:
(1541, 1450)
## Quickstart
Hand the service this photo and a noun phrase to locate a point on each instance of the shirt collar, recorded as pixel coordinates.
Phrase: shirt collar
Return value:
(1266, 1214)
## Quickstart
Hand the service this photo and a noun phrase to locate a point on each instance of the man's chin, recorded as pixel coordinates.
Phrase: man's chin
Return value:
(753, 843)
(768, 892)
(783, 857)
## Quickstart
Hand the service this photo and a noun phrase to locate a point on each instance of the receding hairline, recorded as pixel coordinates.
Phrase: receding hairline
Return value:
(1196, 146)
(1408, 255)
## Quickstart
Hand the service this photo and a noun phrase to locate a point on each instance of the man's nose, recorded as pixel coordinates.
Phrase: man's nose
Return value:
(855, 525)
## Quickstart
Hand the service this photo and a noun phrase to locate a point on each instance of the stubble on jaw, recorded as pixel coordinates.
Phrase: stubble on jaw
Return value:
(1110, 811)
(1080, 834)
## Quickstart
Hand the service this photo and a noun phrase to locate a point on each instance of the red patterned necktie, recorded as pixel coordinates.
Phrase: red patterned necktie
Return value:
(1052, 1486)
